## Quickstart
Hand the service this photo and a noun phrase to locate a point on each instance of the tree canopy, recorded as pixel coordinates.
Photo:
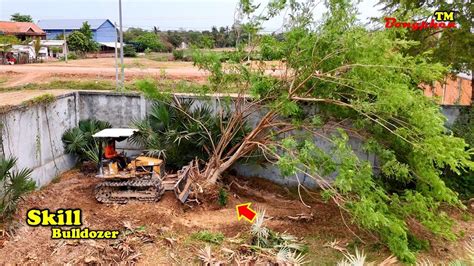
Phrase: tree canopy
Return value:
(21, 18)
(82, 40)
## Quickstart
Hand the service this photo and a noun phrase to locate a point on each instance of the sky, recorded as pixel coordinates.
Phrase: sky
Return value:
(164, 14)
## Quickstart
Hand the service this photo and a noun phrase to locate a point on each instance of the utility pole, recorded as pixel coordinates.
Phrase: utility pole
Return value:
(116, 59)
(65, 46)
(121, 46)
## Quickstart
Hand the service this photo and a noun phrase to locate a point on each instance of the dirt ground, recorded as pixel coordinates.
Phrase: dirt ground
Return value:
(104, 69)
(101, 68)
(159, 233)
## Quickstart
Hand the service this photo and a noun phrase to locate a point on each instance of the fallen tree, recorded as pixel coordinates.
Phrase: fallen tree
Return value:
(342, 80)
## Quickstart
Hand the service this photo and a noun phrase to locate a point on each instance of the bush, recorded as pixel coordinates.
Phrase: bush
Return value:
(79, 141)
(149, 41)
(222, 197)
(14, 184)
(178, 54)
(271, 48)
(129, 51)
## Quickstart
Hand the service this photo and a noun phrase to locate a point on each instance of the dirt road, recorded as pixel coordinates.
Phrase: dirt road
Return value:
(37, 72)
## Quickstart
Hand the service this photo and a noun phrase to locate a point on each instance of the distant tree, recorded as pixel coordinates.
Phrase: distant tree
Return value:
(174, 38)
(86, 30)
(77, 41)
(132, 33)
(37, 46)
(82, 40)
(6, 43)
(129, 51)
(149, 40)
(21, 18)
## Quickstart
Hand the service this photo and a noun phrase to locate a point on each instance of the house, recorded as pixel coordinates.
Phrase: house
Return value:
(103, 29)
(22, 30)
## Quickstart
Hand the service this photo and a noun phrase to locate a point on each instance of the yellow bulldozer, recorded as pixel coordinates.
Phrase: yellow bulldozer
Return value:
(141, 178)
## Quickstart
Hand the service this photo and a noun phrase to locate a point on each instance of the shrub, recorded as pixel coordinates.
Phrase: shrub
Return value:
(129, 51)
(178, 54)
(222, 197)
(79, 141)
(14, 184)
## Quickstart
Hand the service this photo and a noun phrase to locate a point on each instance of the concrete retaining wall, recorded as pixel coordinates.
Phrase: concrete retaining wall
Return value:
(33, 134)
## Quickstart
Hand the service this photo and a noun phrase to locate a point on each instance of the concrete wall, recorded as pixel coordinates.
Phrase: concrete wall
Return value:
(33, 136)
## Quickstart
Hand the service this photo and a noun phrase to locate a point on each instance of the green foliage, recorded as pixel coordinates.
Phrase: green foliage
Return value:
(270, 48)
(129, 51)
(150, 41)
(79, 42)
(218, 37)
(209, 237)
(13, 185)
(86, 30)
(37, 46)
(79, 141)
(179, 130)
(463, 127)
(453, 47)
(82, 40)
(178, 54)
(17, 17)
(362, 84)
(71, 56)
(222, 197)
(46, 98)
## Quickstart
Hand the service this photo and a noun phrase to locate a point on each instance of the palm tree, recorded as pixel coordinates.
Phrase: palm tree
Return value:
(14, 185)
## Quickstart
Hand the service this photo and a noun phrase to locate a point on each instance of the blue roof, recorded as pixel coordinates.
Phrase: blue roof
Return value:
(70, 24)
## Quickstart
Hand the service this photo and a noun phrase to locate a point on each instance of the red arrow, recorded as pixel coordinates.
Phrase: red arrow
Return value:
(244, 211)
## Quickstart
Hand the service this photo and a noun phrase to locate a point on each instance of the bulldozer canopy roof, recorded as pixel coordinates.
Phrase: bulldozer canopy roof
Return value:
(115, 133)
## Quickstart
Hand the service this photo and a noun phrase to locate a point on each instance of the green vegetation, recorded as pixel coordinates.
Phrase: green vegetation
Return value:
(79, 141)
(13, 185)
(222, 197)
(209, 237)
(82, 40)
(129, 51)
(177, 130)
(149, 40)
(451, 47)
(363, 86)
(17, 17)
(215, 38)
(463, 182)
(42, 99)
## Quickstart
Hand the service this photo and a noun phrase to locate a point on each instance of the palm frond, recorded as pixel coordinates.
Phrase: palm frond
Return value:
(357, 259)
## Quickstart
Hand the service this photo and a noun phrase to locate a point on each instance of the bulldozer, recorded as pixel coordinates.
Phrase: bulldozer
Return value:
(141, 178)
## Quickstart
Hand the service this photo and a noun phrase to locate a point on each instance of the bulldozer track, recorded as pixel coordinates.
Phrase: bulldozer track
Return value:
(149, 190)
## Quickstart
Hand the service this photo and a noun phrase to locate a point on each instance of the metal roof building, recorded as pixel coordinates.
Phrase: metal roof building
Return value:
(103, 29)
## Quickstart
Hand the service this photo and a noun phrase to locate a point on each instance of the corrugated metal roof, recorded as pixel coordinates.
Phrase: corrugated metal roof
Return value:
(110, 44)
(115, 133)
(69, 24)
